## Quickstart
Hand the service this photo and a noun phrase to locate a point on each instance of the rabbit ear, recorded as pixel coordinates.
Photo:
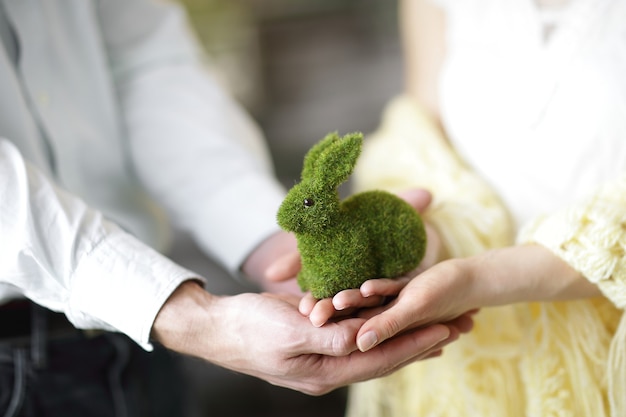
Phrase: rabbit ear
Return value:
(335, 164)
(311, 157)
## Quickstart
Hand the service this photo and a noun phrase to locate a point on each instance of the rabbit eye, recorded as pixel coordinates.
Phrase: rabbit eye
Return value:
(308, 202)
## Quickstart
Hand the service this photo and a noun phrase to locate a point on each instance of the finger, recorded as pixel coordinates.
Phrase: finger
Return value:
(285, 267)
(353, 298)
(401, 350)
(306, 304)
(368, 313)
(332, 355)
(434, 354)
(385, 325)
(322, 311)
(383, 286)
(418, 198)
(463, 324)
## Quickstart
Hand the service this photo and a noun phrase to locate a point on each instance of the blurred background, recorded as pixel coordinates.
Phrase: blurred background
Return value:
(302, 68)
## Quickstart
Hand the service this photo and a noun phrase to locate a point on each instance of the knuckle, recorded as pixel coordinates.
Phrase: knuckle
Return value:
(340, 345)
(391, 326)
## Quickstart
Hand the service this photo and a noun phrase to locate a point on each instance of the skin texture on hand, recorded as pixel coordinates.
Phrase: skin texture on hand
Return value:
(265, 336)
(452, 288)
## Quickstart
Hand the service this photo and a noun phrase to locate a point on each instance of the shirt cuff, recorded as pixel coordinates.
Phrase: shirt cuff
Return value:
(121, 285)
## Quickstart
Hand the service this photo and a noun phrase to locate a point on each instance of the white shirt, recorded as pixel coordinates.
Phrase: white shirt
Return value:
(535, 99)
(109, 117)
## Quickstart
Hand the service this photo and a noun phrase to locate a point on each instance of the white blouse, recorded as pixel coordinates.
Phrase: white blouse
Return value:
(535, 99)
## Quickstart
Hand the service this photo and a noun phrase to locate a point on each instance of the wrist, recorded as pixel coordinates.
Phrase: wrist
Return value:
(526, 273)
(183, 320)
(561, 281)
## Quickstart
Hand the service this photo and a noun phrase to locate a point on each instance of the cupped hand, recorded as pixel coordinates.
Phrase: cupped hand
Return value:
(437, 295)
(265, 336)
(452, 288)
(375, 292)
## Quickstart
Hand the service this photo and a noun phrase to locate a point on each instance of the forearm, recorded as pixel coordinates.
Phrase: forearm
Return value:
(523, 273)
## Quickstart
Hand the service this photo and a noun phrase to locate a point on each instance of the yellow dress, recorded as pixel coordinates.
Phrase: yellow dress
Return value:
(540, 359)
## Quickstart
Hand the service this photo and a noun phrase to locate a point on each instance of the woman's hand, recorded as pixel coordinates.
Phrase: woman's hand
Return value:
(453, 288)
(346, 302)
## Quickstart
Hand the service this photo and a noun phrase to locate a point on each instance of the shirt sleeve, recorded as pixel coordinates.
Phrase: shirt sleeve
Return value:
(197, 152)
(61, 254)
(590, 236)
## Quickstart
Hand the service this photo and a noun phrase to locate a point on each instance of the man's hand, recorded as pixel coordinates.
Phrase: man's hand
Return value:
(265, 336)
(274, 264)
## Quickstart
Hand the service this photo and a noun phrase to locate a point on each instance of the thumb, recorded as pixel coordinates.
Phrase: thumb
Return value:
(383, 326)
(418, 198)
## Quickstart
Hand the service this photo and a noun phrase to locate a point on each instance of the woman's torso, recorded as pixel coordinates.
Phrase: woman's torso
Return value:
(535, 99)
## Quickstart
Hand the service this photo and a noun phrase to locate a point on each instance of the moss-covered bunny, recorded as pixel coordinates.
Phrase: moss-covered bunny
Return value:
(369, 235)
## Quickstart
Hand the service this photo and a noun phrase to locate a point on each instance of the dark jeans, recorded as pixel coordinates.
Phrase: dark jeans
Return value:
(79, 376)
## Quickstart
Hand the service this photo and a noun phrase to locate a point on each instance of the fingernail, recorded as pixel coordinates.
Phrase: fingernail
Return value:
(316, 322)
(340, 307)
(367, 341)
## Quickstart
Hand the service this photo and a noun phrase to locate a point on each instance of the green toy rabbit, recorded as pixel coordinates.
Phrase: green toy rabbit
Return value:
(369, 235)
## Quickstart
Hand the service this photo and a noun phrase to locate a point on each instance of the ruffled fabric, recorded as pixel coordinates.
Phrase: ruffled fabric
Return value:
(537, 359)
(548, 359)
(591, 237)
